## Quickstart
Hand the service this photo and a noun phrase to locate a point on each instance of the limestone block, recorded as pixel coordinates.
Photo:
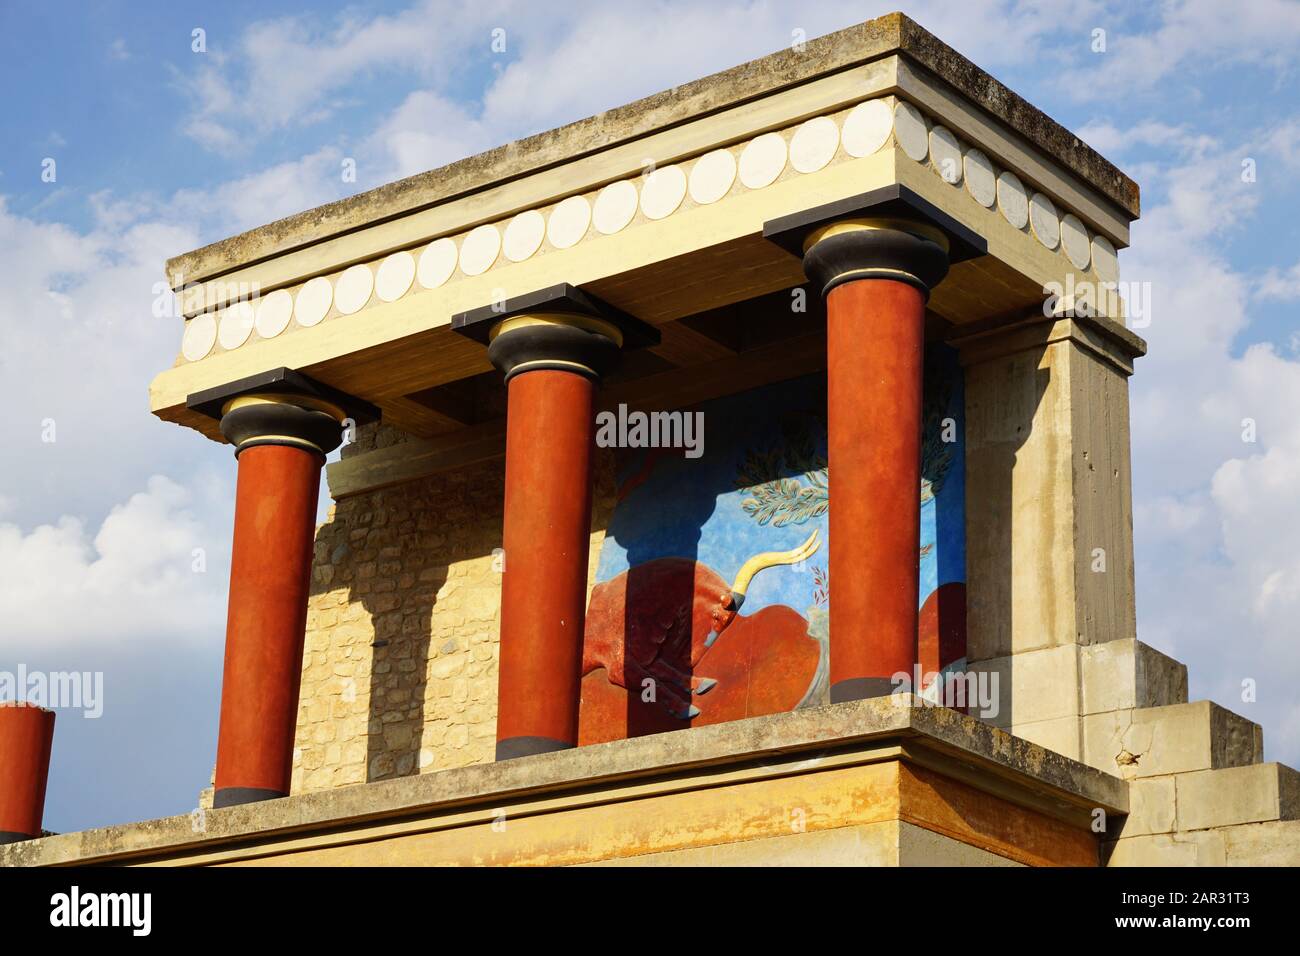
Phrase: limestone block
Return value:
(1235, 795)
(1202, 848)
(1262, 844)
(918, 846)
(1061, 735)
(1118, 675)
(1150, 741)
(1152, 806)
(1033, 686)
(1049, 547)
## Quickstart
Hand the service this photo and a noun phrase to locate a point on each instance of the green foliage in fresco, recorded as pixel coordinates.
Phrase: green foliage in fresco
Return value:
(789, 483)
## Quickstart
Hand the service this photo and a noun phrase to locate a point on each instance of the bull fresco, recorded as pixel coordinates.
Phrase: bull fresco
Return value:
(711, 597)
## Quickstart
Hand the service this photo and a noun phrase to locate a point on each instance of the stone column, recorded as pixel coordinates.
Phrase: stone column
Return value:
(874, 259)
(553, 347)
(282, 429)
(26, 736)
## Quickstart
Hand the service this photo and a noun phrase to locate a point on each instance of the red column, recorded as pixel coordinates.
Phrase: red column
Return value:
(270, 571)
(875, 349)
(26, 736)
(546, 539)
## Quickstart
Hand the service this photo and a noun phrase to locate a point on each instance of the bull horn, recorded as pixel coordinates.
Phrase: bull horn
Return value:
(770, 559)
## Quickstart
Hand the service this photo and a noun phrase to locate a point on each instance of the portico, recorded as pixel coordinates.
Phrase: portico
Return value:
(865, 256)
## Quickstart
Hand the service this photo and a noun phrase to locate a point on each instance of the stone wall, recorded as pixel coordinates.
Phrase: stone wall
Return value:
(400, 663)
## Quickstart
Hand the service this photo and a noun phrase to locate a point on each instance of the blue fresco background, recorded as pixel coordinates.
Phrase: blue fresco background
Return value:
(692, 508)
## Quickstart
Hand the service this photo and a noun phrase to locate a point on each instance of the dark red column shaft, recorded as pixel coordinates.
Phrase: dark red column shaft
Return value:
(26, 736)
(546, 541)
(270, 571)
(875, 344)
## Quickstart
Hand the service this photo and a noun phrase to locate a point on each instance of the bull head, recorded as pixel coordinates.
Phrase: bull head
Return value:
(730, 603)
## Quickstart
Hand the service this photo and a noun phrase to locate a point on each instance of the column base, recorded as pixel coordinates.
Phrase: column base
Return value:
(11, 836)
(861, 688)
(513, 747)
(235, 796)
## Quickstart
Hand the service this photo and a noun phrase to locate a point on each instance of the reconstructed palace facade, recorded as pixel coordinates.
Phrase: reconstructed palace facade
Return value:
(583, 594)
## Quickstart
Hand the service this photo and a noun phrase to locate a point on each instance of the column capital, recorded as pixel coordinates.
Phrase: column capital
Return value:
(888, 233)
(560, 328)
(282, 407)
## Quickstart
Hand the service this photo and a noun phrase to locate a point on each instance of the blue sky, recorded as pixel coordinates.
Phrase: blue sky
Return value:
(160, 149)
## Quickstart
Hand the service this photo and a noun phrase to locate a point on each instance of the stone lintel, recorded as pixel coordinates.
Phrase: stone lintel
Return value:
(1105, 338)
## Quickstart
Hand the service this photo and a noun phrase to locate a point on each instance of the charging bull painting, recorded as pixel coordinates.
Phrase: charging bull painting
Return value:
(711, 597)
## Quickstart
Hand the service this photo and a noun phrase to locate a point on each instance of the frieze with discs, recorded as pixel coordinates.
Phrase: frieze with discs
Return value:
(657, 194)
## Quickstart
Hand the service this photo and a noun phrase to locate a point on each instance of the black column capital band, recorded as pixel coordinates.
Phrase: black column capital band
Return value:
(559, 327)
(888, 233)
(237, 796)
(882, 249)
(282, 407)
(514, 747)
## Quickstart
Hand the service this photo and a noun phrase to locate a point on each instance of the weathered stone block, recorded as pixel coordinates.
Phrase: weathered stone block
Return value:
(1235, 795)
(1060, 735)
(1151, 807)
(1033, 686)
(1203, 848)
(1118, 675)
(1151, 741)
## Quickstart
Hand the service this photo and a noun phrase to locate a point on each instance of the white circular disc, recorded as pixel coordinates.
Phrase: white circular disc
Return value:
(236, 325)
(1104, 259)
(1074, 240)
(200, 335)
(981, 182)
(1042, 219)
(353, 288)
(910, 131)
(1013, 201)
(274, 313)
(762, 160)
(569, 222)
(663, 191)
(615, 207)
(313, 302)
(437, 263)
(945, 155)
(524, 235)
(395, 275)
(712, 176)
(479, 250)
(866, 129)
(813, 144)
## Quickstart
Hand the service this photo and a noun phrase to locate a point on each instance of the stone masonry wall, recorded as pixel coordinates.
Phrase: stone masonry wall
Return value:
(400, 663)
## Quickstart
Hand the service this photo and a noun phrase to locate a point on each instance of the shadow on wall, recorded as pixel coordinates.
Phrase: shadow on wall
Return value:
(1001, 403)
(401, 667)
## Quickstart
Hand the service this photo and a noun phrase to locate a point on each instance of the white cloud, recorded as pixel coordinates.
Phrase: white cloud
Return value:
(134, 580)
(1215, 514)
(295, 71)
(1207, 33)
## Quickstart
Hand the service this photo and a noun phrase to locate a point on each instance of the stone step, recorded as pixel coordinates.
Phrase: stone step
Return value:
(1276, 843)
(1118, 675)
(1178, 738)
(1203, 799)
(1235, 795)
